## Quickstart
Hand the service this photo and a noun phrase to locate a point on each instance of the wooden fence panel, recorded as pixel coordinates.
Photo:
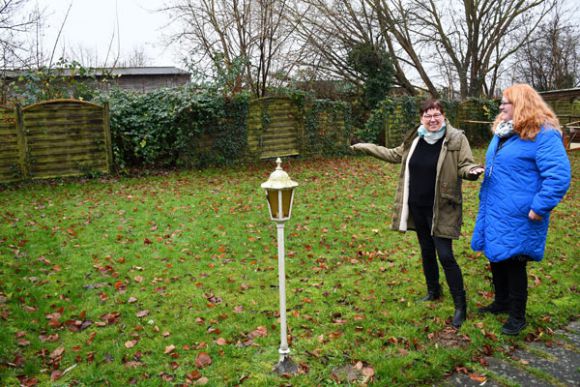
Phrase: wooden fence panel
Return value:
(54, 139)
(274, 127)
(66, 138)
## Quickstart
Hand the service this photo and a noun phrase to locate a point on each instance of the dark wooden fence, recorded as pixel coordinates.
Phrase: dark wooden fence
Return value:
(55, 138)
(282, 126)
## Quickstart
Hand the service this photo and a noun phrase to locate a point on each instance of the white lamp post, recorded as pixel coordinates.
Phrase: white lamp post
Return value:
(280, 194)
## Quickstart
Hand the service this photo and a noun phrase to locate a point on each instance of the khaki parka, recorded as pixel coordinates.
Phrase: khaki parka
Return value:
(454, 163)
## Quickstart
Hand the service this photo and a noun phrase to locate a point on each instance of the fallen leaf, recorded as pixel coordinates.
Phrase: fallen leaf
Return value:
(193, 375)
(131, 343)
(91, 338)
(260, 331)
(133, 364)
(202, 360)
(55, 375)
(221, 341)
(478, 378)
(57, 353)
(142, 313)
(49, 338)
(169, 349)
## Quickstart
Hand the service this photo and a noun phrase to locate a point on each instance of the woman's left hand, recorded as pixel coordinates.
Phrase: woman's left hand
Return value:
(476, 171)
(533, 216)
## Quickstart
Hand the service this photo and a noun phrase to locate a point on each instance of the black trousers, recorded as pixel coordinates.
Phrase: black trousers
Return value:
(433, 247)
(510, 281)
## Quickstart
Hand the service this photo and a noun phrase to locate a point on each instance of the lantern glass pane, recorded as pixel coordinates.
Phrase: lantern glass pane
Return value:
(272, 196)
(286, 198)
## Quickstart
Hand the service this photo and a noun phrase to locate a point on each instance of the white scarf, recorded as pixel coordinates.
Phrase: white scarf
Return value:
(505, 129)
(431, 137)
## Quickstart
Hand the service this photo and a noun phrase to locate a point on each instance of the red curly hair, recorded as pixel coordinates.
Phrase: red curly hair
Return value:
(530, 111)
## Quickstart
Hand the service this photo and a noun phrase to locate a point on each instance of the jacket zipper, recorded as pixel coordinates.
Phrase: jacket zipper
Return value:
(499, 146)
(439, 166)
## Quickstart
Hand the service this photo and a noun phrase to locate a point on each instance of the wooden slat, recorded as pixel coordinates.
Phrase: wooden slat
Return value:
(68, 167)
(41, 138)
(64, 145)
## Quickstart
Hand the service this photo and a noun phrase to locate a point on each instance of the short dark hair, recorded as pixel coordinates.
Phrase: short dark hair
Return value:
(431, 104)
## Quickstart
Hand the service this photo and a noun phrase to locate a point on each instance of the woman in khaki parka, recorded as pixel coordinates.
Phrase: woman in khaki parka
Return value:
(434, 159)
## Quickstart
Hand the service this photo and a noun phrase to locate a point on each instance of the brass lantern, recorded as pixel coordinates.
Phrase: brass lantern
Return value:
(280, 193)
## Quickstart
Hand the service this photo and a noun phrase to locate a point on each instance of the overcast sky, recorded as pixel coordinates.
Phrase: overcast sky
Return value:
(92, 23)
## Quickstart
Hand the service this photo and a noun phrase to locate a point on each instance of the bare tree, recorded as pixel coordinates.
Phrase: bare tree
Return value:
(136, 58)
(550, 59)
(477, 35)
(439, 43)
(245, 40)
(15, 21)
(328, 31)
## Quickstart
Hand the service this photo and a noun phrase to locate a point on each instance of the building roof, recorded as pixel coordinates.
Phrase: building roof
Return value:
(114, 71)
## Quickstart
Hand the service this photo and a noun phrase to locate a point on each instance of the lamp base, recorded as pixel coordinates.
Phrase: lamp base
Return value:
(286, 367)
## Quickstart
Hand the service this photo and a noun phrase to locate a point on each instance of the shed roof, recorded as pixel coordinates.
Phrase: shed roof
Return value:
(115, 71)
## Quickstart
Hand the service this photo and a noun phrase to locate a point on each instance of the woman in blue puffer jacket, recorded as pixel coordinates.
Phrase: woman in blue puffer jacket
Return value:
(527, 173)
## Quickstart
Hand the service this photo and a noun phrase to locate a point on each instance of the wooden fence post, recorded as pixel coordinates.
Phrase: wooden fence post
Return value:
(23, 154)
(107, 133)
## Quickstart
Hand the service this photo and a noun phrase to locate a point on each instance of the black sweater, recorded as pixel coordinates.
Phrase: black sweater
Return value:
(423, 173)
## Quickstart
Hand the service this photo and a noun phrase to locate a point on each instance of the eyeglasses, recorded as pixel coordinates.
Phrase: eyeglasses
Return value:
(505, 103)
(430, 116)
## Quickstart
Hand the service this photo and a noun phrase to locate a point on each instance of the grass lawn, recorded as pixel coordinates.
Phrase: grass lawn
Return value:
(173, 279)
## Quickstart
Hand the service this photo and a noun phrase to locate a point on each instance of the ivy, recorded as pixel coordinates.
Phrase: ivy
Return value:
(327, 128)
(178, 127)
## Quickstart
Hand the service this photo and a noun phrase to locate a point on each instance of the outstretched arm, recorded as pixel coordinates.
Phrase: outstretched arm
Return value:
(390, 155)
(467, 168)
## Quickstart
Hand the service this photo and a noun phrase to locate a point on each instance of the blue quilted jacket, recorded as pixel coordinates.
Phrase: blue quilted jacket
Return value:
(522, 175)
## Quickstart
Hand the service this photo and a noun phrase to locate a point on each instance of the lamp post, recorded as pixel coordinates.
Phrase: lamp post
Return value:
(280, 195)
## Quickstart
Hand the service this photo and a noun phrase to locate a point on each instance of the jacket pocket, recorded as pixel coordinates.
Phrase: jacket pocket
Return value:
(450, 197)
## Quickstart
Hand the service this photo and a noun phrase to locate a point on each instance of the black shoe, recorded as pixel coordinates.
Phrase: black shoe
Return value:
(431, 296)
(460, 314)
(513, 327)
(494, 308)
(459, 317)
(434, 292)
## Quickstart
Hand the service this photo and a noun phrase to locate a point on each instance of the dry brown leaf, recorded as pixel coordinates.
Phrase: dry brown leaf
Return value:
(202, 360)
(221, 341)
(478, 378)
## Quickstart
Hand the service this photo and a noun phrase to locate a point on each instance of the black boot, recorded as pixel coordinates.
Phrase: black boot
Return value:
(513, 326)
(460, 314)
(501, 303)
(433, 293)
(494, 308)
(518, 297)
